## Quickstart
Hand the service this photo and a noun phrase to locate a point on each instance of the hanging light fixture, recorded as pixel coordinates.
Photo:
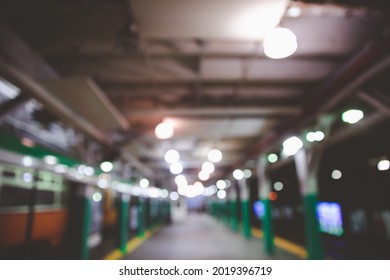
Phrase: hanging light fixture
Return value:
(280, 43)
(214, 155)
(164, 130)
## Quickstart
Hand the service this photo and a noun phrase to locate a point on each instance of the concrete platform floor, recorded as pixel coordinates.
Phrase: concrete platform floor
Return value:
(202, 237)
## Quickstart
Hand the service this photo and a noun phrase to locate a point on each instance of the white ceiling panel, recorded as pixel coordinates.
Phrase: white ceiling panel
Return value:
(217, 19)
(265, 69)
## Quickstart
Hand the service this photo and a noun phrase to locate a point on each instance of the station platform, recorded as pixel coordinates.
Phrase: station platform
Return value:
(202, 237)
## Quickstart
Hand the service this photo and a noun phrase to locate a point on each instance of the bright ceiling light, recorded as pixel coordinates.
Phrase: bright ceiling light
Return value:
(310, 136)
(51, 160)
(278, 186)
(238, 174)
(174, 196)
(180, 180)
(27, 161)
(203, 175)
(319, 135)
(221, 194)
(221, 184)
(336, 174)
(172, 156)
(208, 167)
(383, 165)
(176, 168)
(144, 183)
(164, 193)
(97, 196)
(228, 183)
(315, 136)
(89, 171)
(247, 173)
(292, 145)
(280, 43)
(272, 158)
(153, 192)
(214, 155)
(106, 166)
(352, 116)
(164, 130)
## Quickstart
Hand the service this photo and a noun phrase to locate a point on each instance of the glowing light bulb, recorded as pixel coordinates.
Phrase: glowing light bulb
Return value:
(214, 155)
(164, 130)
(280, 43)
(352, 116)
(292, 145)
(238, 174)
(172, 156)
(106, 166)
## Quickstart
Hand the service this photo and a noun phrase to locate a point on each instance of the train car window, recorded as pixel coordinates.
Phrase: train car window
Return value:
(8, 174)
(12, 196)
(44, 197)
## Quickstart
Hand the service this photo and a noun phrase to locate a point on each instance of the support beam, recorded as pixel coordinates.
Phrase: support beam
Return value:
(264, 191)
(245, 208)
(367, 63)
(308, 182)
(36, 90)
(263, 111)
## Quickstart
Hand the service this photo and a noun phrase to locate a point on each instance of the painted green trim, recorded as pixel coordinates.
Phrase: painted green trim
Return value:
(123, 225)
(246, 223)
(227, 212)
(234, 215)
(141, 218)
(86, 226)
(314, 244)
(13, 143)
(268, 233)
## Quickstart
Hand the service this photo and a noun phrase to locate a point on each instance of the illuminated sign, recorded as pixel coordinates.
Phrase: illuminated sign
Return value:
(329, 218)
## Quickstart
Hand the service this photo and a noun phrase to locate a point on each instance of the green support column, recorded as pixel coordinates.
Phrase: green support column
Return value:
(168, 213)
(233, 209)
(226, 211)
(141, 217)
(124, 222)
(86, 226)
(308, 186)
(264, 190)
(245, 209)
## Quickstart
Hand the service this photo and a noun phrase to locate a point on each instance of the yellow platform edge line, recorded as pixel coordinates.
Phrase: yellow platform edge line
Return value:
(133, 244)
(284, 244)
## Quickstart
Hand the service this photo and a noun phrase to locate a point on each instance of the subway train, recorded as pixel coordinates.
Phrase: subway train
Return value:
(36, 219)
(52, 214)
(353, 209)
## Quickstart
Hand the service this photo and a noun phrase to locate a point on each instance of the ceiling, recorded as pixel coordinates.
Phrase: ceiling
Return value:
(125, 66)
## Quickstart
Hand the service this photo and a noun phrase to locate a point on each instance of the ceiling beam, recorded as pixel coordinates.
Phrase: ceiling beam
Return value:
(263, 111)
(34, 89)
(98, 57)
(145, 82)
(368, 62)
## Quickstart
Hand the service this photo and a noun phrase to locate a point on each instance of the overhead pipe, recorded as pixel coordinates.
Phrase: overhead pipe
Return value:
(353, 74)
(36, 90)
